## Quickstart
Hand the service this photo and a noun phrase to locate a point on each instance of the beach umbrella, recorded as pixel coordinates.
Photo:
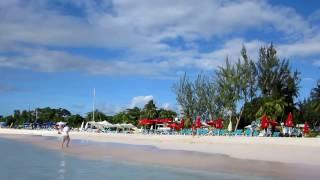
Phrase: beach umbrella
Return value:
(273, 123)
(211, 123)
(198, 122)
(264, 122)
(306, 128)
(182, 124)
(230, 126)
(61, 123)
(86, 126)
(248, 126)
(81, 127)
(289, 121)
(219, 123)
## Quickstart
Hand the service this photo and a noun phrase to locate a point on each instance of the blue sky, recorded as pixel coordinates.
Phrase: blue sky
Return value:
(53, 53)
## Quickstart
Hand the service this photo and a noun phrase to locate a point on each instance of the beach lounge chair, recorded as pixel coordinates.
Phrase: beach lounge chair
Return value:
(204, 132)
(215, 132)
(238, 132)
(275, 134)
(222, 132)
(256, 133)
(248, 132)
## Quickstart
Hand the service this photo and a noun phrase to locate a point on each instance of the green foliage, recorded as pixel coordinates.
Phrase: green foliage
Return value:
(133, 115)
(98, 116)
(149, 110)
(250, 111)
(309, 108)
(75, 120)
(275, 78)
(185, 96)
(313, 134)
(315, 98)
(121, 117)
(165, 113)
(245, 88)
(273, 108)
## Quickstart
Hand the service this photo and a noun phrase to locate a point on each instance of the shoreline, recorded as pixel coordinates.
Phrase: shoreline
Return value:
(284, 150)
(178, 152)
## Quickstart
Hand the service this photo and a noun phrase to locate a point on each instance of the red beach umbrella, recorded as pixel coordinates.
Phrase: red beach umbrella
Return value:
(174, 126)
(289, 121)
(264, 122)
(219, 123)
(306, 128)
(182, 124)
(211, 123)
(273, 123)
(198, 122)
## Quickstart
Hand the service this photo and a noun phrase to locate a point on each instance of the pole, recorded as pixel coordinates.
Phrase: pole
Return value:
(94, 95)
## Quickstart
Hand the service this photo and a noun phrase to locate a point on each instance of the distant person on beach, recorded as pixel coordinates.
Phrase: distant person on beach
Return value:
(66, 137)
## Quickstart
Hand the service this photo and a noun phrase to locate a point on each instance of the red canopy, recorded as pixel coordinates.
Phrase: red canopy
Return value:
(198, 122)
(264, 122)
(211, 123)
(306, 128)
(289, 121)
(145, 122)
(175, 126)
(164, 120)
(219, 123)
(273, 123)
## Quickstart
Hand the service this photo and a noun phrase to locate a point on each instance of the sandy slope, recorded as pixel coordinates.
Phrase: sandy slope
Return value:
(287, 150)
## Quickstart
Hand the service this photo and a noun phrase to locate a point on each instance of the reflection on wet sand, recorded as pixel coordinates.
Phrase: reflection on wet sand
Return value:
(174, 158)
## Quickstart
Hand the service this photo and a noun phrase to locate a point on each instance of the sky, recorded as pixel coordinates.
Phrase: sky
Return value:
(54, 52)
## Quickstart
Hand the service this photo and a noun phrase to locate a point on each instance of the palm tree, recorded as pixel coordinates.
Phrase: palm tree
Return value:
(315, 97)
(150, 110)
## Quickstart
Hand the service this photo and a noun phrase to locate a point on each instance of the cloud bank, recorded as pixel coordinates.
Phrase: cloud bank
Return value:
(154, 38)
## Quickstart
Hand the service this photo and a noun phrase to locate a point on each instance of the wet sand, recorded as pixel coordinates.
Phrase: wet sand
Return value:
(148, 154)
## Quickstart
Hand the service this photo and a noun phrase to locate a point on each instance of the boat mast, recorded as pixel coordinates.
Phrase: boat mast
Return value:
(94, 95)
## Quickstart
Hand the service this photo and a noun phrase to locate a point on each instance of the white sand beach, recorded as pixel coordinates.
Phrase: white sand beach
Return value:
(303, 151)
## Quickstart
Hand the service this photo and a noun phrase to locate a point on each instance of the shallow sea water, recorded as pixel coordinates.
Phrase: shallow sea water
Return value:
(23, 161)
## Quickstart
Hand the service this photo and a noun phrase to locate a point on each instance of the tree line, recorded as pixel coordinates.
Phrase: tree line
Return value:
(245, 90)
(45, 115)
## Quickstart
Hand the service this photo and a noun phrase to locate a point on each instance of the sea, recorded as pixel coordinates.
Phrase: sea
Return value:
(23, 161)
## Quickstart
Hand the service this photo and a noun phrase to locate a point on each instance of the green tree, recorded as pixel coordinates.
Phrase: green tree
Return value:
(133, 115)
(233, 88)
(273, 108)
(121, 117)
(149, 110)
(275, 78)
(315, 98)
(185, 97)
(98, 116)
(75, 120)
(165, 113)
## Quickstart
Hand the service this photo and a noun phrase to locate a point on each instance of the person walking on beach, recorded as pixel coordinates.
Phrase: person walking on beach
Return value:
(66, 137)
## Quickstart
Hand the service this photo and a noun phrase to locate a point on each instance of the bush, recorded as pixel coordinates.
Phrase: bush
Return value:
(313, 134)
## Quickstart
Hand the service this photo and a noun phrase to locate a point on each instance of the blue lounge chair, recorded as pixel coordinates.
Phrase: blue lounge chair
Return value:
(238, 132)
(256, 133)
(222, 132)
(248, 132)
(275, 134)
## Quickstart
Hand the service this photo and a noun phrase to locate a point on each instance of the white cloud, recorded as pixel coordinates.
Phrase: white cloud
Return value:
(316, 63)
(140, 29)
(110, 109)
(308, 79)
(140, 101)
(166, 106)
